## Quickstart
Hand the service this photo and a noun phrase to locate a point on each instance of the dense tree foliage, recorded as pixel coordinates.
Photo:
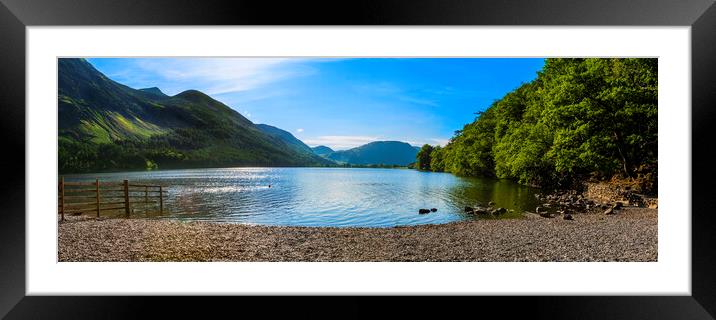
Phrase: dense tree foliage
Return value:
(422, 159)
(437, 162)
(580, 118)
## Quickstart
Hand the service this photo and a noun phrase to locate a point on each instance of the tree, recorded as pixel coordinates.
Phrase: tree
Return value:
(604, 112)
(469, 153)
(579, 118)
(423, 158)
(437, 163)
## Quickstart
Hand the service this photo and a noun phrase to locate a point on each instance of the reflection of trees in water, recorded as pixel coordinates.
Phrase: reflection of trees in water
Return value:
(507, 194)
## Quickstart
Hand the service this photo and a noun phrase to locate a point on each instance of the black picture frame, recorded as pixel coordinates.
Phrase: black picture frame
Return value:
(15, 15)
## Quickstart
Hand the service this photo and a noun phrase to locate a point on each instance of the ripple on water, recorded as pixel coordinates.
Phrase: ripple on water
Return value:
(340, 197)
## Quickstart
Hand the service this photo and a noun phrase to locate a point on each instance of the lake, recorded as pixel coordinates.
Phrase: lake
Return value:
(335, 197)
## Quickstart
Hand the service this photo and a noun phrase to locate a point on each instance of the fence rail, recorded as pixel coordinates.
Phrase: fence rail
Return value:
(81, 197)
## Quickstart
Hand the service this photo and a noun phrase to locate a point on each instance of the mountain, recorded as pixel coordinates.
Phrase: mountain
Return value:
(286, 137)
(322, 150)
(378, 152)
(155, 91)
(105, 126)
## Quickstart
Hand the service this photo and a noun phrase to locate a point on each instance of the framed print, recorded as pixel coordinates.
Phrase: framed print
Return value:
(453, 148)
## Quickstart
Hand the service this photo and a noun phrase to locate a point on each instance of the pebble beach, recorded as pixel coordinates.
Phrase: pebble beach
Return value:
(630, 235)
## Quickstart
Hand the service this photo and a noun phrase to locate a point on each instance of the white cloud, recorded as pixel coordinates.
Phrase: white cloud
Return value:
(433, 142)
(223, 75)
(299, 130)
(340, 142)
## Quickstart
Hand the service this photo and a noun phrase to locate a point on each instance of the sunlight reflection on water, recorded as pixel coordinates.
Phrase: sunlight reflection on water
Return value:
(338, 197)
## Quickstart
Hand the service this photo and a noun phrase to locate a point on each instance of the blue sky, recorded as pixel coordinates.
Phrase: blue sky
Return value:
(340, 103)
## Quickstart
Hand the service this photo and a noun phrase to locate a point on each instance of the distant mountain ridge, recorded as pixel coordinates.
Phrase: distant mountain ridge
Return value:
(106, 126)
(322, 150)
(286, 137)
(154, 91)
(377, 152)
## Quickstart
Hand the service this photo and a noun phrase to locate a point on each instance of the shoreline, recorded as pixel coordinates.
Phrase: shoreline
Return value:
(232, 167)
(630, 235)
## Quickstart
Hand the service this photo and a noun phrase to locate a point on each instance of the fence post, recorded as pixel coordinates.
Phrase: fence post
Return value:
(97, 188)
(161, 200)
(126, 197)
(62, 197)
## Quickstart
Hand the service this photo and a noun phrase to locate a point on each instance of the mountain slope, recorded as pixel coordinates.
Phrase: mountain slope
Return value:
(289, 139)
(322, 150)
(378, 152)
(104, 125)
(91, 106)
(155, 91)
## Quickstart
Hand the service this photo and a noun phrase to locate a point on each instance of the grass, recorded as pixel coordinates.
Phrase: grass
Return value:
(116, 126)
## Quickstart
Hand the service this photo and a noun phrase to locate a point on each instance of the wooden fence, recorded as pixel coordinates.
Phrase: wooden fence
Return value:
(81, 197)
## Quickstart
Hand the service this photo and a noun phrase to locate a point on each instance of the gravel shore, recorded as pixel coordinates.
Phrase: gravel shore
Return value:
(630, 235)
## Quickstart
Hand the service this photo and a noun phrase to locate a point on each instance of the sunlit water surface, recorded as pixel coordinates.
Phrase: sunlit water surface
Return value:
(335, 197)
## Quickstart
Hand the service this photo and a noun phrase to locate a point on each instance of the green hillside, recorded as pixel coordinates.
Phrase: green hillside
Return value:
(293, 142)
(106, 126)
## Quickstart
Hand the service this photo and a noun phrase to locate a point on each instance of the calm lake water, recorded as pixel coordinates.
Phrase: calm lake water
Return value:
(336, 197)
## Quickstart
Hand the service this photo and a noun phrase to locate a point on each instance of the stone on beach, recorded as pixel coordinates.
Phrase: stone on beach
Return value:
(499, 211)
(481, 210)
(84, 239)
